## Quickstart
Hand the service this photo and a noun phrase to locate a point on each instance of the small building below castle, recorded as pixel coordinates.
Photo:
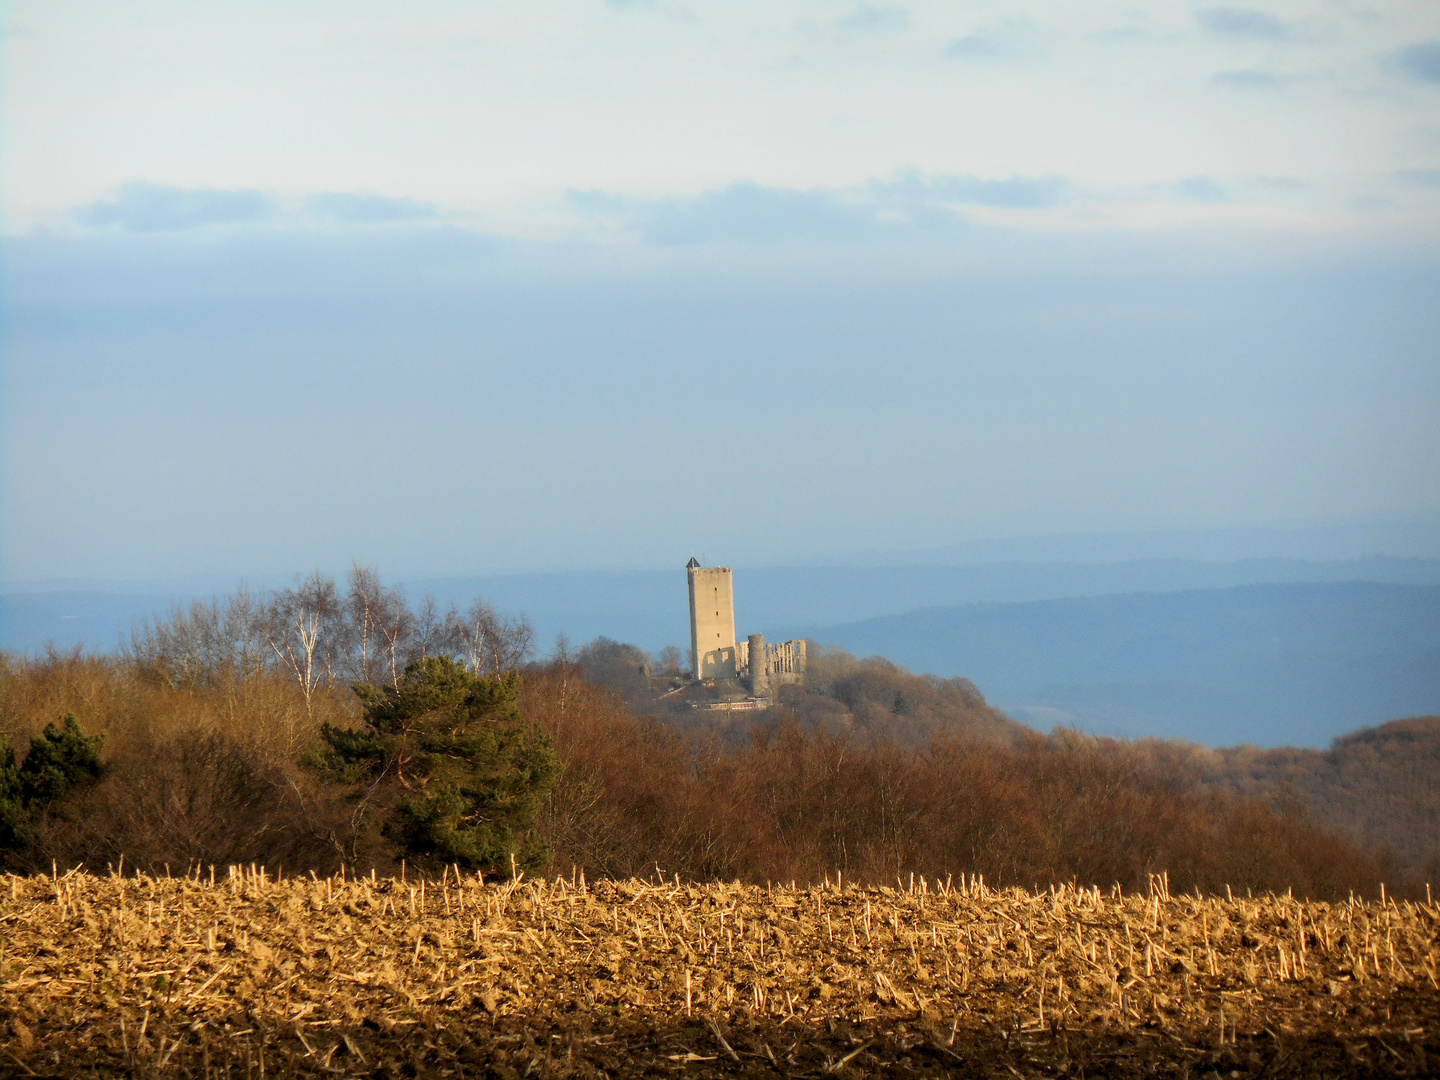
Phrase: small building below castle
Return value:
(715, 654)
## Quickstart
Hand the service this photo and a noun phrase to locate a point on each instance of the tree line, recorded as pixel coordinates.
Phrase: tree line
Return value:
(315, 634)
(318, 727)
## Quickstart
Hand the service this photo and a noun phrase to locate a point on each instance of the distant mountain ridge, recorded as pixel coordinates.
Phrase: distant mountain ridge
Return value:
(649, 607)
(1269, 665)
(1167, 647)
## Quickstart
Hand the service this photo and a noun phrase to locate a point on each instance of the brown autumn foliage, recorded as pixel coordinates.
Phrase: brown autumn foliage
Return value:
(209, 772)
(869, 700)
(206, 772)
(1377, 787)
(798, 803)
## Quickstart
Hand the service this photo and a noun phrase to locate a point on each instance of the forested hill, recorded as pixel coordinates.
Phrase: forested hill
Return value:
(1379, 787)
(871, 699)
(1267, 665)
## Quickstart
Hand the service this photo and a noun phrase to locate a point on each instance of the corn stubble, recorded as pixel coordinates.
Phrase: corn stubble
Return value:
(249, 975)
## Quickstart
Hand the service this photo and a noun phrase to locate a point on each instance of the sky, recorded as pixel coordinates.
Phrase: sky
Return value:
(475, 288)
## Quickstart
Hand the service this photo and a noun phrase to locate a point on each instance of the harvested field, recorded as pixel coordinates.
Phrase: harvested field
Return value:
(252, 976)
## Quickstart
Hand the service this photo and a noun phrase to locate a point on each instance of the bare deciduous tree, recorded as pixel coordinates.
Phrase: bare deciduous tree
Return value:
(396, 629)
(431, 631)
(209, 642)
(304, 632)
(362, 603)
(490, 643)
(313, 634)
(378, 626)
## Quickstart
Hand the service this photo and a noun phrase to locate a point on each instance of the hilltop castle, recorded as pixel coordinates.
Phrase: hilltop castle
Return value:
(714, 652)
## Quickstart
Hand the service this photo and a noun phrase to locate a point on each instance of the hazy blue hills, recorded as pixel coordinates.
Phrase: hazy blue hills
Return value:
(1273, 664)
(1268, 651)
(649, 607)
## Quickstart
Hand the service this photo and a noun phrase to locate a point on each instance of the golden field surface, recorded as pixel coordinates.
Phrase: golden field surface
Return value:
(246, 975)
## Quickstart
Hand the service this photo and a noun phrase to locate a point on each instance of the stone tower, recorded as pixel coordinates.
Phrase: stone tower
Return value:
(712, 621)
(759, 669)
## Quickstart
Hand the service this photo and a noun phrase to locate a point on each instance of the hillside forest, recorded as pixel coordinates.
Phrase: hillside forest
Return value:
(321, 727)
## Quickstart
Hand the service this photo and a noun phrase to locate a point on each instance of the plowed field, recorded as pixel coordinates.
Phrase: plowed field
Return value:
(252, 976)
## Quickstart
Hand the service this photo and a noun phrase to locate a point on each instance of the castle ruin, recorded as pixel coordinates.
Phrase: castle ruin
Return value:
(714, 652)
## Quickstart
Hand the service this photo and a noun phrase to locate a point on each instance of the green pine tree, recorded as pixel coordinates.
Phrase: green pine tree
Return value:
(15, 831)
(61, 761)
(450, 769)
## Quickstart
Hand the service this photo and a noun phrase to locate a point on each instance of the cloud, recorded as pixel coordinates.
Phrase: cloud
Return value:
(1423, 177)
(369, 209)
(1250, 79)
(1421, 61)
(1015, 193)
(742, 212)
(1131, 33)
(1201, 189)
(1242, 22)
(867, 19)
(1011, 39)
(910, 206)
(142, 207)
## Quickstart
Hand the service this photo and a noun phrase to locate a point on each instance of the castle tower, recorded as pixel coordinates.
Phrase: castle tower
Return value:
(712, 621)
(759, 666)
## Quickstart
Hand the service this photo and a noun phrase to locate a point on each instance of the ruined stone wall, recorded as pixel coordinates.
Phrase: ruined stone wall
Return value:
(778, 665)
(786, 662)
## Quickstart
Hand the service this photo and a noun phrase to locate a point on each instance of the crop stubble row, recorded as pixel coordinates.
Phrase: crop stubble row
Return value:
(245, 972)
